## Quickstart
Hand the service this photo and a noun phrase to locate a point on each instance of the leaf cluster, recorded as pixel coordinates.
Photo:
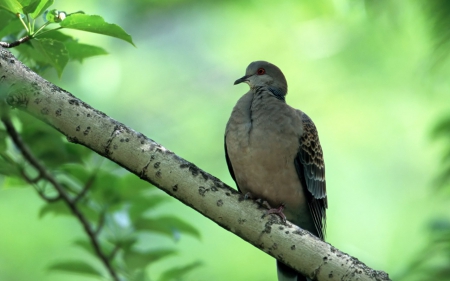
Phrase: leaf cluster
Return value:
(40, 43)
(116, 206)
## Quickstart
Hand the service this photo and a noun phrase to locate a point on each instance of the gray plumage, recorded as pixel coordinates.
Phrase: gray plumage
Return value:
(274, 154)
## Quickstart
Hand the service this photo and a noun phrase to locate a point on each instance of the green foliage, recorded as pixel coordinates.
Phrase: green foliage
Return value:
(49, 47)
(116, 206)
(79, 267)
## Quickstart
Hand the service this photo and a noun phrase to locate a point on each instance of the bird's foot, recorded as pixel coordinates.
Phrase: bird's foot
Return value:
(277, 211)
(248, 195)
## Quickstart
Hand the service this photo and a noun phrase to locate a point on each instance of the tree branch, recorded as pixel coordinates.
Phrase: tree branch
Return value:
(44, 174)
(84, 125)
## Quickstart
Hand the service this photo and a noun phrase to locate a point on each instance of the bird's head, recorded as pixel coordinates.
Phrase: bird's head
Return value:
(265, 74)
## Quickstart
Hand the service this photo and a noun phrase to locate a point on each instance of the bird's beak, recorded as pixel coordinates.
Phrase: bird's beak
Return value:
(242, 79)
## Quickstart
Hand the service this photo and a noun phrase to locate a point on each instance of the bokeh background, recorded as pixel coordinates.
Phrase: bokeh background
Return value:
(371, 74)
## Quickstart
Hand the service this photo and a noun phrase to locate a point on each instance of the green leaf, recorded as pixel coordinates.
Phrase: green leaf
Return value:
(139, 275)
(79, 51)
(55, 35)
(55, 16)
(57, 208)
(95, 24)
(178, 272)
(167, 225)
(41, 8)
(85, 245)
(11, 28)
(31, 6)
(137, 260)
(54, 51)
(11, 5)
(3, 136)
(142, 204)
(79, 267)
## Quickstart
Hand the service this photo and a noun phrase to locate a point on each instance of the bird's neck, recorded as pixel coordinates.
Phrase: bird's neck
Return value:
(278, 93)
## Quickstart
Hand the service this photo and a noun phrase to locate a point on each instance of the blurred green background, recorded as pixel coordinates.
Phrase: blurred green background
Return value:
(367, 72)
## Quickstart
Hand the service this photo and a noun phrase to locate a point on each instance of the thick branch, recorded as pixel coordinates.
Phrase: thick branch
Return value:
(179, 178)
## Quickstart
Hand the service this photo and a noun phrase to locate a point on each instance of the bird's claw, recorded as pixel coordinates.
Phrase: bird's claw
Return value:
(276, 211)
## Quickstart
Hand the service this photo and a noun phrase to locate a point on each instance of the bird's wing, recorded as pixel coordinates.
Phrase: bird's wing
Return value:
(311, 171)
(230, 168)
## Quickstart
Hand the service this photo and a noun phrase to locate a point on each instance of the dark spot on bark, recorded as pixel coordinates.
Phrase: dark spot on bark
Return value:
(214, 189)
(227, 193)
(267, 229)
(37, 101)
(330, 275)
(121, 140)
(127, 139)
(74, 102)
(44, 111)
(175, 188)
(158, 174)
(219, 202)
(115, 146)
(280, 228)
(274, 246)
(287, 232)
(241, 221)
(88, 115)
(77, 128)
(72, 139)
(58, 112)
(86, 132)
(202, 190)
(142, 142)
(156, 165)
(11, 61)
(293, 247)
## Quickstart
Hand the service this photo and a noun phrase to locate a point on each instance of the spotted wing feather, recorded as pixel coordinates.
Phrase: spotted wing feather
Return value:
(311, 171)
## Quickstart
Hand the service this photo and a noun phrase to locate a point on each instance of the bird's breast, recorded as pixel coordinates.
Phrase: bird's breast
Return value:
(262, 148)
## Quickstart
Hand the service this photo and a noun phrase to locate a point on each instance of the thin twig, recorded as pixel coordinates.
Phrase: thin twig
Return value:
(15, 43)
(62, 193)
(85, 189)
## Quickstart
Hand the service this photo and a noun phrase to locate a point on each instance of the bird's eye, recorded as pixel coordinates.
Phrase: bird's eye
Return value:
(261, 71)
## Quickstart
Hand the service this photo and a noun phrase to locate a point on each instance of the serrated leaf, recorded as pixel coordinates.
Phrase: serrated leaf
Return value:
(54, 51)
(11, 5)
(41, 8)
(167, 225)
(30, 6)
(178, 272)
(137, 260)
(79, 267)
(79, 52)
(95, 24)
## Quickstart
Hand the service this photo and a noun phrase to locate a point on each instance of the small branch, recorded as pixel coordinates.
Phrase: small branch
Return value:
(114, 252)
(85, 189)
(15, 43)
(100, 224)
(44, 174)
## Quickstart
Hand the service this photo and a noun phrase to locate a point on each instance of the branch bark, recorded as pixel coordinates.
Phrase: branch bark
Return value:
(82, 124)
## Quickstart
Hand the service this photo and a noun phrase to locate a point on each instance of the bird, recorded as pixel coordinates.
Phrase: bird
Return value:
(273, 153)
